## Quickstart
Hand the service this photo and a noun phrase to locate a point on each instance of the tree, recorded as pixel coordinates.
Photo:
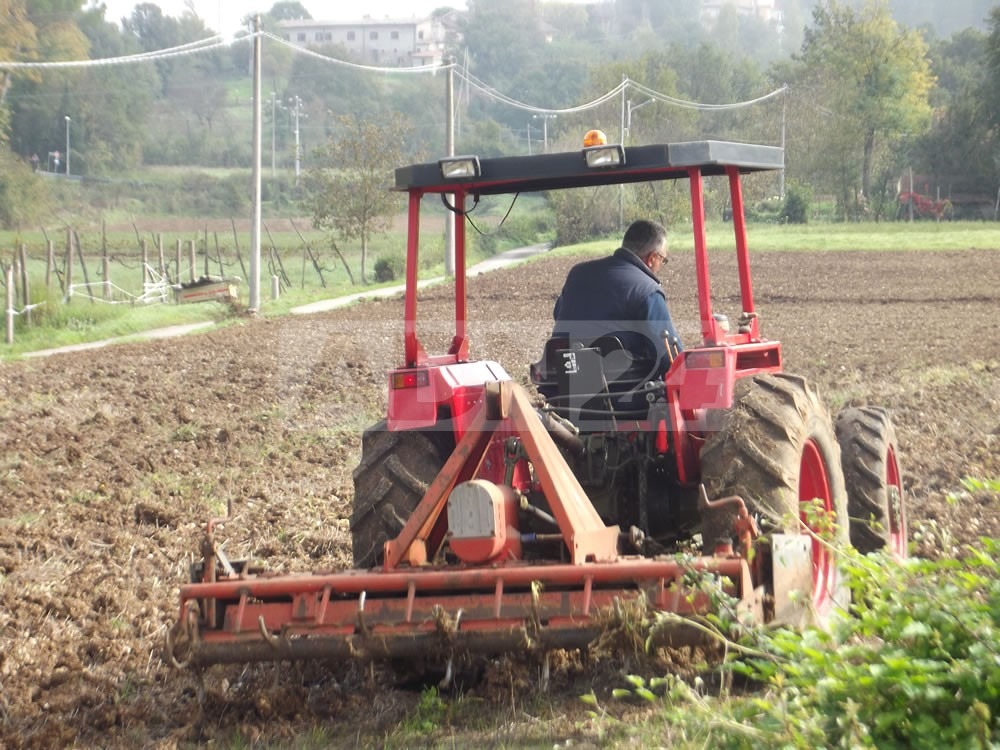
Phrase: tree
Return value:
(992, 87)
(289, 11)
(870, 80)
(348, 189)
(17, 42)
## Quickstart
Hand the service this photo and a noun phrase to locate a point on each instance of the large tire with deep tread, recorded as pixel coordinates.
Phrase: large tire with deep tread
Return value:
(776, 448)
(875, 498)
(395, 471)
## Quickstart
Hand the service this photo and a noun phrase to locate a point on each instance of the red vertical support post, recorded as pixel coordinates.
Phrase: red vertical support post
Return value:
(742, 251)
(412, 348)
(460, 345)
(701, 257)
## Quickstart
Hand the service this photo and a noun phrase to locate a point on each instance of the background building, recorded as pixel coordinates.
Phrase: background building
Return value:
(387, 41)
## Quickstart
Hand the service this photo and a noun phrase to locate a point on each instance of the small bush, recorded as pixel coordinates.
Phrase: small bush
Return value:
(796, 206)
(915, 664)
(389, 268)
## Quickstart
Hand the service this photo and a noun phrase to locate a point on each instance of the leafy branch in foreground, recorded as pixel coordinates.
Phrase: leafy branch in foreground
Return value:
(916, 664)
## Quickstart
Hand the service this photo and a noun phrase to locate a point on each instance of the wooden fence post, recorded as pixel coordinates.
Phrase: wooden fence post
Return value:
(50, 261)
(105, 263)
(145, 263)
(177, 254)
(83, 265)
(25, 291)
(69, 264)
(163, 262)
(9, 279)
(191, 258)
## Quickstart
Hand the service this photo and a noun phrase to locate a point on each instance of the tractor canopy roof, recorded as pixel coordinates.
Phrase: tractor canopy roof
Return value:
(597, 165)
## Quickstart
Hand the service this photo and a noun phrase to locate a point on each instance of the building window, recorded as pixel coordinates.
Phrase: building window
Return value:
(319, 36)
(301, 36)
(420, 35)
(394, 35)
(350, 36)
(373, 35)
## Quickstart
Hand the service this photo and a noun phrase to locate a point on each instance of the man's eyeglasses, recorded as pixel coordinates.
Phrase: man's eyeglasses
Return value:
(662, 257)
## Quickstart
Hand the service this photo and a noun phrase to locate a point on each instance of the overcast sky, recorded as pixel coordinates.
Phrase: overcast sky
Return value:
(225, 15)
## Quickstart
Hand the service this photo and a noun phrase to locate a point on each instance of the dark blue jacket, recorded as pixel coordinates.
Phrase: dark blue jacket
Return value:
(620, 296)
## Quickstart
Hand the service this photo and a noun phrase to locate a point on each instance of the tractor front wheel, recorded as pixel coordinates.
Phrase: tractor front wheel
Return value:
(776, 448)
(395, 471)
(870, 459)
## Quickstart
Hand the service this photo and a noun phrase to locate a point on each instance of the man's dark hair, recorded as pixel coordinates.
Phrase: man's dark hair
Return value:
(644, 236)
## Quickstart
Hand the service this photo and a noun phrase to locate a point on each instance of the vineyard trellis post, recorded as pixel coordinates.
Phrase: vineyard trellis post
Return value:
(50, 261)
(9, 282)
(69, 265)
(25, 289)
(105, 263)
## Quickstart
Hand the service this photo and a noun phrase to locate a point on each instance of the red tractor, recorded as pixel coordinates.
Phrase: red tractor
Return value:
(484, 522)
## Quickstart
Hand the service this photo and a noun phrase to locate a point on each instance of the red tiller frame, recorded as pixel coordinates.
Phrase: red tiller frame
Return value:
(410, 612)
(507, 411)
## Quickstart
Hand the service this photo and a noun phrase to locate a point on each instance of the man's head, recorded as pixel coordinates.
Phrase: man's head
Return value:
(648, 240)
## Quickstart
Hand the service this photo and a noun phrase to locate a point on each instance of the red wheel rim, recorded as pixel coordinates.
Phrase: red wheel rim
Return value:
(896, 520)
(814, 485)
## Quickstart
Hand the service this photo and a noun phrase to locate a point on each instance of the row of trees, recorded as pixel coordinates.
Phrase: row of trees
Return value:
(867, 97)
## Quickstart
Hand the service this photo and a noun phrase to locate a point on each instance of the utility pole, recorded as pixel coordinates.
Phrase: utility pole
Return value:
(68, 121)
(296, 102)
(781, 172)
(545, 129)
(274, 112)
(253, 304)
(621, 140)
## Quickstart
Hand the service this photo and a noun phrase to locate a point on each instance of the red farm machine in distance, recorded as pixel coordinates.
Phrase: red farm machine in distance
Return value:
(484, 522)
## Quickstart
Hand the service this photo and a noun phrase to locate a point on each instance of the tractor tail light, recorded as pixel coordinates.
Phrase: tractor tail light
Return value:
(704, 360)
(409, 379)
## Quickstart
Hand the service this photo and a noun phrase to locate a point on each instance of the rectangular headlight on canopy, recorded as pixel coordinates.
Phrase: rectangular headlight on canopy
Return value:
(460, 167)
(604, 156)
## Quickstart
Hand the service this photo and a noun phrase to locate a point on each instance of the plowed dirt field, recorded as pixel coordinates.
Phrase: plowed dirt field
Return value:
(113, 458)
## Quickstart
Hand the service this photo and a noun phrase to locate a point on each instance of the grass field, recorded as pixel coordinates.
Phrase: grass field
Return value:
(83, 320)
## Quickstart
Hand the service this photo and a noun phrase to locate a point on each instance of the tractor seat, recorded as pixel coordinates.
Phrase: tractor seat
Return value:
(602, 377)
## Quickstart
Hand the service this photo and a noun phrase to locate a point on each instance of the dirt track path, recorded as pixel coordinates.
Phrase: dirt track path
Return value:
(112, 458)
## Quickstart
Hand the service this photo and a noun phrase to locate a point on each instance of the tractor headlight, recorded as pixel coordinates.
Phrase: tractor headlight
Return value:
(604, 156)
(460, 167)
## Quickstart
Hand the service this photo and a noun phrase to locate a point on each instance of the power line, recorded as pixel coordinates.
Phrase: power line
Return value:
(217, 41)
(191, 48)
(357, 66)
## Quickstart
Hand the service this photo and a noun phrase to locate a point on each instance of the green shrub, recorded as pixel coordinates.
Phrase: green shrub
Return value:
(795, 209)
(389, 268)
(916, 664)
(585, 214)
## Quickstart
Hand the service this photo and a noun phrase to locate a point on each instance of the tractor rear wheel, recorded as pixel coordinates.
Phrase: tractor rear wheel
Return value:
(870, 459)
(395, 471)
(776, 448)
